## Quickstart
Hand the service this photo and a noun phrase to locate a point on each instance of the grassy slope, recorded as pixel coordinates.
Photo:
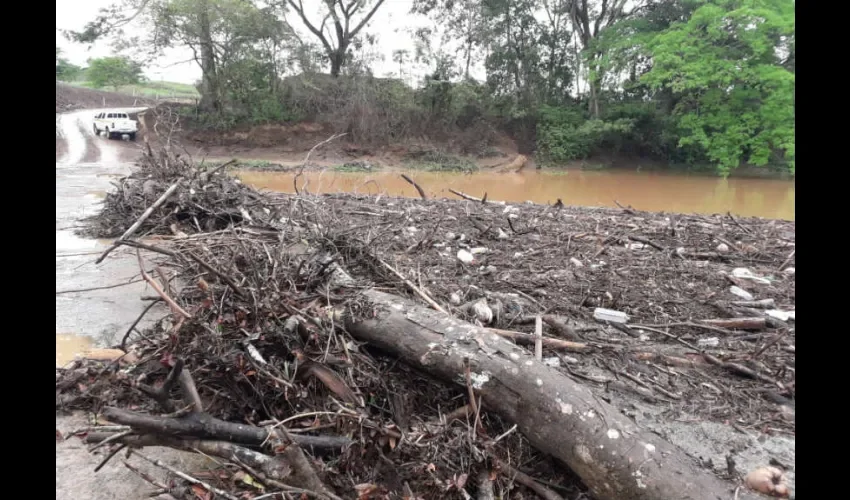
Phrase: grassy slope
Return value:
(152, 89)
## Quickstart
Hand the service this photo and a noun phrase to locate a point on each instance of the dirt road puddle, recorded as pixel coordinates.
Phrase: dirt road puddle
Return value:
(69, 346)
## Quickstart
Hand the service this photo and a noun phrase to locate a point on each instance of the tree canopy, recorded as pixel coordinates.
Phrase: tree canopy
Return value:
(684, 81)
(113, 72)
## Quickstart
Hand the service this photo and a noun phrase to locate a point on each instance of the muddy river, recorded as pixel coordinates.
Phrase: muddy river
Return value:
(653, 191)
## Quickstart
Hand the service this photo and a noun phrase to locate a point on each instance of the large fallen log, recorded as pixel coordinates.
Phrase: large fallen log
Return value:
(615, 459)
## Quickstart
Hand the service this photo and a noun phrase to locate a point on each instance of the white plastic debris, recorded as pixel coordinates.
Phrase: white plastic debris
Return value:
(601, 314)
(709, 342)
(503, 235)
(485, 270)
(635, 246)
(575, 262)
(465, 257)
(789, 271)
(744, 273)
(412, 229)
(454, 298)
(680, 251)
(552, 362)
(450, 235)
(255, 354)
(780, 314)
(245, 214)
(723, 248)
(740, 292)
(517, 255)
(478, 250)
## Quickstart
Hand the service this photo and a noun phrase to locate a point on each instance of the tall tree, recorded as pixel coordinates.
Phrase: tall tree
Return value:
(589, 18)
(341, 14)
(555, 36)
(735, 93)
(113, 72)
(214, 30)
(513, 61)
(461, 20)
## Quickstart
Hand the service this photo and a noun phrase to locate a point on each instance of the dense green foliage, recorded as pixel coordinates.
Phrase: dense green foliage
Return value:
(65, 71)
(736, 101)
(686, 82)
(113, 72)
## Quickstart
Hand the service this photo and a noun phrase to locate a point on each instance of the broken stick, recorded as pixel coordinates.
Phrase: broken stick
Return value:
(136, 225)
(414, 184)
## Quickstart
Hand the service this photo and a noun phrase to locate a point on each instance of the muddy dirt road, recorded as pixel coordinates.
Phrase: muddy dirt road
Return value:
(87, 312)
(84, 169)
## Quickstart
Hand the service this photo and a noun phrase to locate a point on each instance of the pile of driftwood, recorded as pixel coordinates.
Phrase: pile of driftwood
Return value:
(373, 347)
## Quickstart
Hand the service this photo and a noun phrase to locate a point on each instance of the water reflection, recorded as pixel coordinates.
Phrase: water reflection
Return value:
(654, 191)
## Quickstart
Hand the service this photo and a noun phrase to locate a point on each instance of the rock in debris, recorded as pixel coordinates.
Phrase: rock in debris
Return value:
(740, 292)
(769, 481)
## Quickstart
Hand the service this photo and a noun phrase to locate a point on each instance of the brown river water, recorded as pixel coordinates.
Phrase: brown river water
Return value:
(652, 191)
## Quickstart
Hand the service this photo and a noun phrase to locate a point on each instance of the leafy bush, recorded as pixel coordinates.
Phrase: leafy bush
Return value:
(438, 161)
(563, 133)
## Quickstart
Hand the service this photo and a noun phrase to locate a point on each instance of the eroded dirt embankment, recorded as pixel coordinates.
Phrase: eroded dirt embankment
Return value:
(69, 98)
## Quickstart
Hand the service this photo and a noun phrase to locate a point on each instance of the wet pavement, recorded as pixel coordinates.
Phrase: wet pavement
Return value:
(83, 308)
(87, 314)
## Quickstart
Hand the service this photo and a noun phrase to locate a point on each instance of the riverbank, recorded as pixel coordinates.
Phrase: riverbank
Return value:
(709, 303)
(283, 146)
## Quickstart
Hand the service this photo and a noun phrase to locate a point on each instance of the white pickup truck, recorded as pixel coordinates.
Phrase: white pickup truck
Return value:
(115, 124)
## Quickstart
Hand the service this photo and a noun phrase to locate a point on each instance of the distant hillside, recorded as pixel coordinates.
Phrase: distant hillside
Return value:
(156, 90)
(70, 97)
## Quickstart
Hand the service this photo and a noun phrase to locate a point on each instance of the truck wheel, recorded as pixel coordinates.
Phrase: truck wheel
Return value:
(132, 136)
(108, 134)
(96, 132)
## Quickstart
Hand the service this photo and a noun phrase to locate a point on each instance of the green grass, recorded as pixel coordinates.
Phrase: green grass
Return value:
(355, 166)
(151, 89)
(240, 165)
(436, 161)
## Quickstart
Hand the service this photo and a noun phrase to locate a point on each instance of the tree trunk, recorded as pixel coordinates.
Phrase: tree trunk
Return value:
(210, 99)
(337, 58)
(593, 106)
(468, 61)
(613, 457)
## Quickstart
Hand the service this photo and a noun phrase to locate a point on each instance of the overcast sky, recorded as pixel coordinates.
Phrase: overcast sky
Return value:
(391, 23)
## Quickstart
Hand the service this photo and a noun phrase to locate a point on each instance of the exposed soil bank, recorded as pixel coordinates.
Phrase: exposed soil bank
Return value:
(283, 146)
